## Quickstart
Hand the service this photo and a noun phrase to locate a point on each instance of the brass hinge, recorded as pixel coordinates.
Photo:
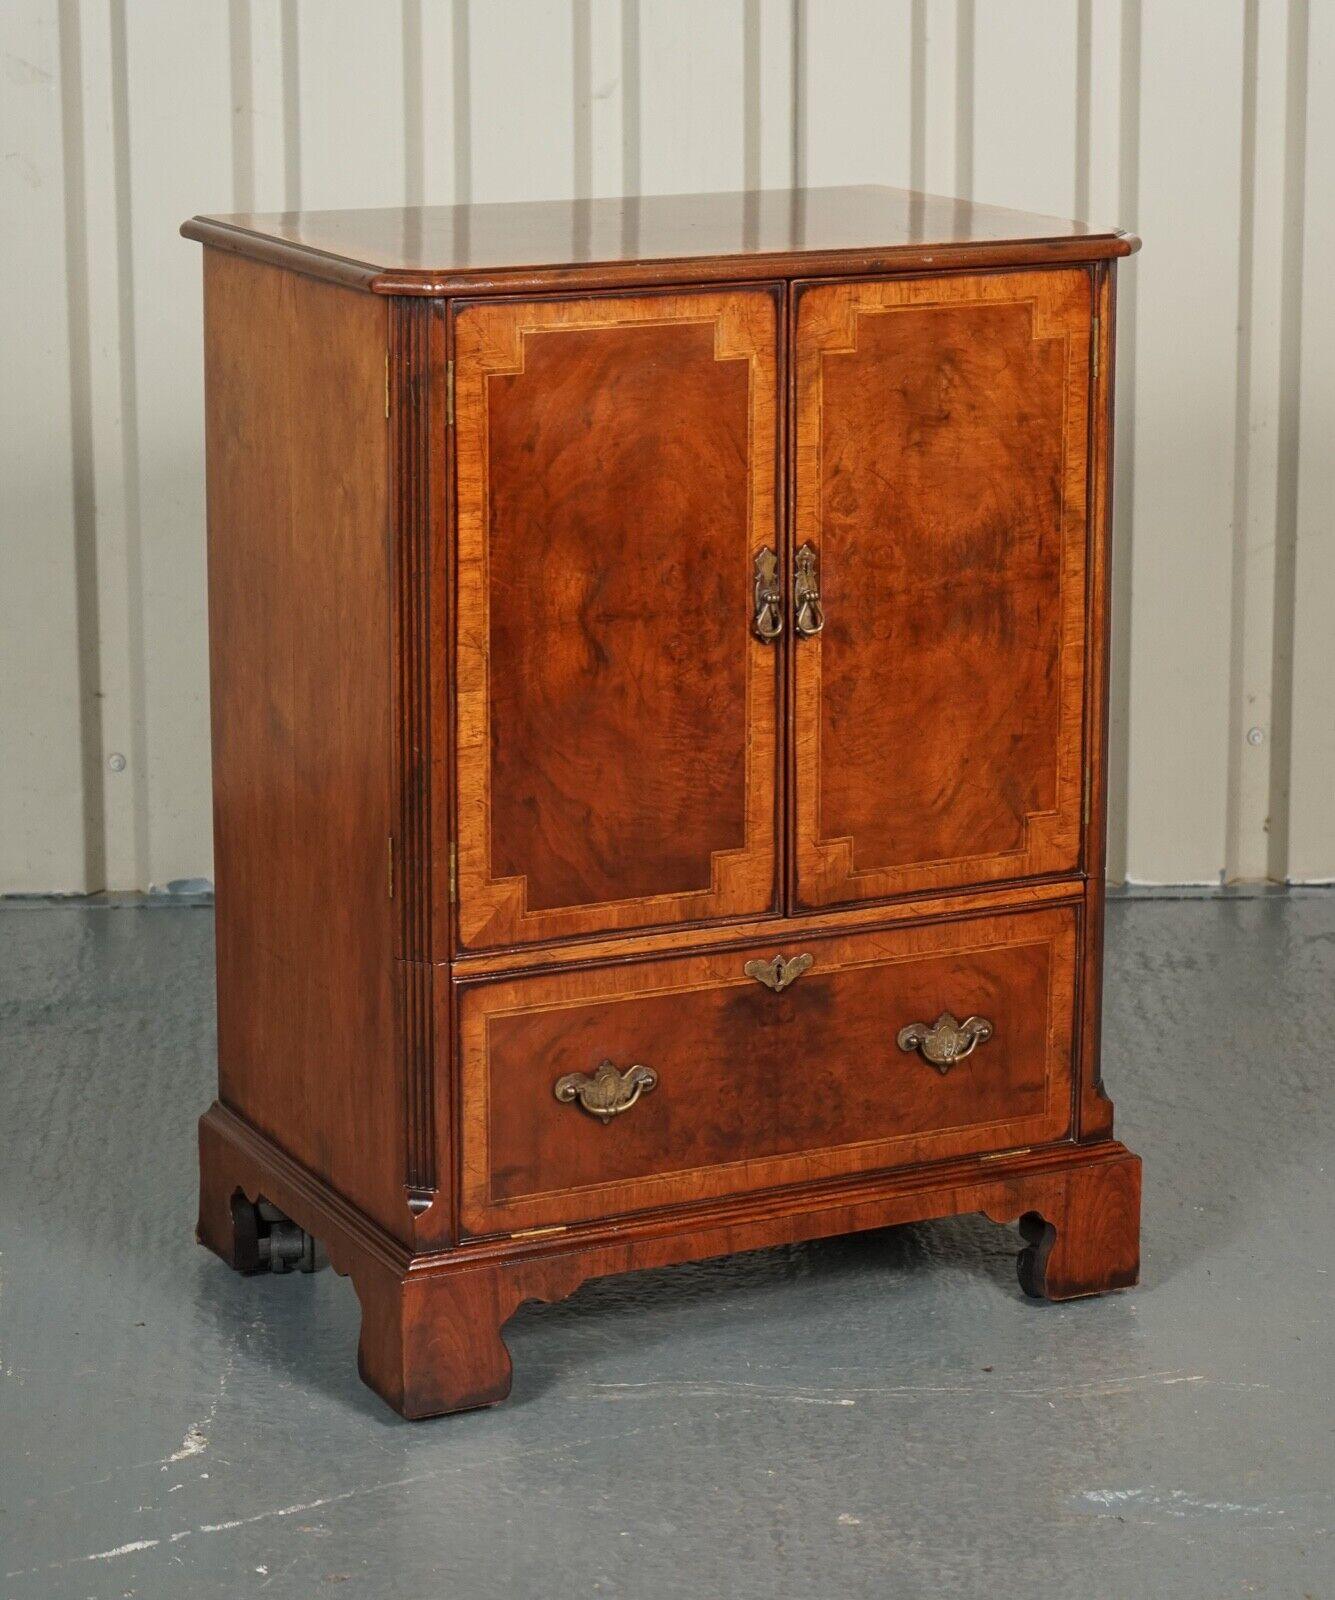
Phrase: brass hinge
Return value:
(449, 394)
(1005, 1155)
(390, 842)
(1094, 371)
(534, 1233)
(1088, 805)
(387, 383)
(454, 872)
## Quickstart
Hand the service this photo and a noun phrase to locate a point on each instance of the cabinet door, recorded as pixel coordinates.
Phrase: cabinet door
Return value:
(940, 477)
(616, 744)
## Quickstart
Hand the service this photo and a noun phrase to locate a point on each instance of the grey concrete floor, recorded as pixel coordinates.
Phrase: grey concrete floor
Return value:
(882, 1415)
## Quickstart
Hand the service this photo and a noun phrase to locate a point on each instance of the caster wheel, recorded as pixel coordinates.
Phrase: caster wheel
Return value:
(269, 1241)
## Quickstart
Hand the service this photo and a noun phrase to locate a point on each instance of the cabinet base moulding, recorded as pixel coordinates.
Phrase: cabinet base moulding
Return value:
(431, 1323)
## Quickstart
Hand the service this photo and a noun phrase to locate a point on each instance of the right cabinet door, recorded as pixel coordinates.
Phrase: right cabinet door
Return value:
(940, 511)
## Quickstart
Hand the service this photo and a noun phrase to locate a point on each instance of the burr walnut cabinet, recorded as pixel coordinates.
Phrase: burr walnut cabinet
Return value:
(658, 683)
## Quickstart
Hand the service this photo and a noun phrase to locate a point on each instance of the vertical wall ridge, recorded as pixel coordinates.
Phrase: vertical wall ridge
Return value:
(82, 472)
(1288, 432)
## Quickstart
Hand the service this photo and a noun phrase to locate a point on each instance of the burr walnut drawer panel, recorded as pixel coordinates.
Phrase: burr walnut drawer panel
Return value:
(877, 1050)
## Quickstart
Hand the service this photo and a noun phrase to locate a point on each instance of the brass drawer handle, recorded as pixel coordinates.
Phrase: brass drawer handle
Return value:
(946, 1041)
(605, 1093)
(767, 624)
(778, 974)
(809, 614)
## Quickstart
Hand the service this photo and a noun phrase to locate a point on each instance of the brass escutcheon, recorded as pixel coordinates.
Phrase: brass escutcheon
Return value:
(779, 973)
(946, 1041)
(767, 623)
(605, 1092)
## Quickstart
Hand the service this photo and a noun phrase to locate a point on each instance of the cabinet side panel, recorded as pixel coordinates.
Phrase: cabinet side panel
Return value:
(299, 622)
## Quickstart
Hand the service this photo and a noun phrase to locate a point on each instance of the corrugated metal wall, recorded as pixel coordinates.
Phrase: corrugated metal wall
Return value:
(1207, 125)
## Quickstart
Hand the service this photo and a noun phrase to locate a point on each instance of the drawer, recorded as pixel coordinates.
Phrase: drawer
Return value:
(743, 1087)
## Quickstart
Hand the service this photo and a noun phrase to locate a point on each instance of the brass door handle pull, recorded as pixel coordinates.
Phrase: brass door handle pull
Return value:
(605, 1093)
(767, 623)
(946, 1041)
(808, 613)
(778, 973)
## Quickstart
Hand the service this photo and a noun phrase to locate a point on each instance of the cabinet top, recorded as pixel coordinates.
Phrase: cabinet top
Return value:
(678, 238)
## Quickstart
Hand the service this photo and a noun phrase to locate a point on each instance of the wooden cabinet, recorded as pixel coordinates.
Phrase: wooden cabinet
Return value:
(659, 714)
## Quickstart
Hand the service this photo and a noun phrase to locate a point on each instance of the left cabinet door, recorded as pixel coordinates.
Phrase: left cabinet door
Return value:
(616, 716)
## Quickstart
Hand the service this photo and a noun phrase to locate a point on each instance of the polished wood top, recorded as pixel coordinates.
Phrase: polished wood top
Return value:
(658, 238)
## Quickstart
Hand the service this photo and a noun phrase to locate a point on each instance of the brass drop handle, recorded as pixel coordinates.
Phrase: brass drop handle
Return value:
(767, 623)
(605, 1092)
(808, 613)
(946, 1041)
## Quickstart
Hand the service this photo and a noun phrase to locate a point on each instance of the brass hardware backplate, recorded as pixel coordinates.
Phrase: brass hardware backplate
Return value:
(946, 1041)
(778, 973)
(808, 613)
(605, 1092)
(767, 621)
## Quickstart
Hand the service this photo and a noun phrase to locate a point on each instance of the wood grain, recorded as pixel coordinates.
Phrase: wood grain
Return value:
(1095, 1108)
(1085, 1238)
(757, 1089)
(299, 635)
(535, 246)
(616, 746)
(941, 460)
(526, 636)
(417, 511)
(798, 925)
(431, 1324)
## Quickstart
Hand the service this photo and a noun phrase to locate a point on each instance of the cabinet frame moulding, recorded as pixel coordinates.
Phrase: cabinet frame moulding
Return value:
(415, 390)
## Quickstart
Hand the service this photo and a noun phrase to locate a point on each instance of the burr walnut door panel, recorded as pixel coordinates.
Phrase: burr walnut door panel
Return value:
(730, 1086)
(940, 479)
(616, 746)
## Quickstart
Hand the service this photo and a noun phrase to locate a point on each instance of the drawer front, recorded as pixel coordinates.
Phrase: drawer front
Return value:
(742, 1086)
